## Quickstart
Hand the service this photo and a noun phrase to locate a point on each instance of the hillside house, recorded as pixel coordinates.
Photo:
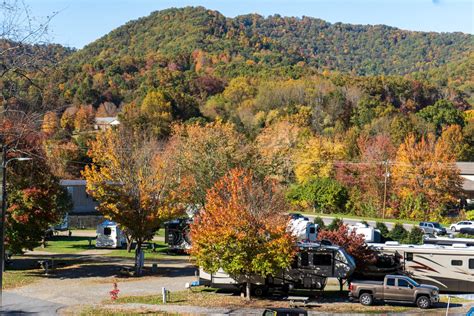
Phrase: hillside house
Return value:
(103, 123)
(467, 173)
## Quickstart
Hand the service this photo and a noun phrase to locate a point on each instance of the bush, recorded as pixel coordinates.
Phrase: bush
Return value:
(365, 223)
(319, 221)
(415, 236)
(322, 194)
(383, 229)
(398, 233)
(470, 215)
(336, 222)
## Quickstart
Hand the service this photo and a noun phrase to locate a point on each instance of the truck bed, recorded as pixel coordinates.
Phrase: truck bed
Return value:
(367, 282)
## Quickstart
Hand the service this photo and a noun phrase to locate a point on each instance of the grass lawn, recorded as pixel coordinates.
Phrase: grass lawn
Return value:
(160, 252)
(375, 219)
(67, 245)
(18, 278)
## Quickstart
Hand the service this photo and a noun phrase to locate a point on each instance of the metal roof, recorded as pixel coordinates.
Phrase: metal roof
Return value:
(466, 168)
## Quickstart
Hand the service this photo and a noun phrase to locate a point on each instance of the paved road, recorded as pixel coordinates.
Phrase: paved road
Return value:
(350, 221)
(15, 304)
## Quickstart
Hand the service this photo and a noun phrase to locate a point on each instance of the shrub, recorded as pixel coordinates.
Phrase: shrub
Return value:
(383, 229)
(336, 222)
(415, 236)
(470, 215)
(319, 221)
(398, 233)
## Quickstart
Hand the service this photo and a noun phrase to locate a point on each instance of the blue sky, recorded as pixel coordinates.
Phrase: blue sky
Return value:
(79, 22)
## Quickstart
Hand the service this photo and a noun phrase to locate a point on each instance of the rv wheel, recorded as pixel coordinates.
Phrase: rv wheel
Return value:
(259, 291)
(366, 299)
(423, 302)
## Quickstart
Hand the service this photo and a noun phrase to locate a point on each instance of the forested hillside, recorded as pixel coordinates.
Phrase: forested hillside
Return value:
(323, 109)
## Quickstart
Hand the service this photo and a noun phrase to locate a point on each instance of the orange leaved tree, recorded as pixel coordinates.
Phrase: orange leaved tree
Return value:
(425, 177)
(243, 228)
(133, 179)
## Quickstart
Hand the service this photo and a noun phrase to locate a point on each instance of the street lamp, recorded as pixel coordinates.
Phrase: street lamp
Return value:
(5, 163)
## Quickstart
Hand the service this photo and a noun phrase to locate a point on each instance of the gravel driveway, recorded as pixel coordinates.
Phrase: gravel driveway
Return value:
(90, 283)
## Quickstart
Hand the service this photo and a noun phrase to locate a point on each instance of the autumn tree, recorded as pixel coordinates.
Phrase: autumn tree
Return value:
(205, 153)
(368, 177)
(352, 242)
(317, 157)
(276, 146)
(133, 179)
(156, 112)
(243, 229)
(50, 123)
(84, 118)
(425, 178)
(35, 200)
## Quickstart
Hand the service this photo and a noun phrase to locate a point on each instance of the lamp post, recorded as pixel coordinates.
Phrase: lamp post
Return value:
(4, 212)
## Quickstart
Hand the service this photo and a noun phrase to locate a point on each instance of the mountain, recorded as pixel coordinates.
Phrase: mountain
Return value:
(193, 52)
(276, 40)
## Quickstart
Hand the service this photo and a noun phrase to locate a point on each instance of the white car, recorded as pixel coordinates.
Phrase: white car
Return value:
(464, 224)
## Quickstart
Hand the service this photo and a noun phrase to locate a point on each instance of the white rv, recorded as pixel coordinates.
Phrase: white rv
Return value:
(109, 235)
(314, 263)
(371, 235)
(451, 268)
(303, 229)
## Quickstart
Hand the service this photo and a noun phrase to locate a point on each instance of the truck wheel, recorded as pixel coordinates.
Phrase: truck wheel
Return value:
(366, 299)
(423, 302)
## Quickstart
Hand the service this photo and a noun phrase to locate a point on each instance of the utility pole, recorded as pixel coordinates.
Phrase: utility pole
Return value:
(386, 175)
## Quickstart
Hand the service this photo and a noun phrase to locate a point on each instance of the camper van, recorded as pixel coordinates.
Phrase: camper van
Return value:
(312, 266)
(451, 268)
(109, 235)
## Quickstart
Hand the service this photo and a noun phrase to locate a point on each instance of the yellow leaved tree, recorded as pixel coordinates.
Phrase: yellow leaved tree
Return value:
(317, 156)
(133, 179)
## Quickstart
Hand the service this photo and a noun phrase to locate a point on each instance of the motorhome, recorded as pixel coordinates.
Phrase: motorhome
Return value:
(314, 263)
(451, 268)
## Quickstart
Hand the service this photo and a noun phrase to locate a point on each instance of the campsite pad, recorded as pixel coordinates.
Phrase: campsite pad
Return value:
(96, 252)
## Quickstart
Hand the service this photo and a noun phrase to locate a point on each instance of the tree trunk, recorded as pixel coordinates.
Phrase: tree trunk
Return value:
(247, 290)
(138, 261)
(341, 284)
(129, 243)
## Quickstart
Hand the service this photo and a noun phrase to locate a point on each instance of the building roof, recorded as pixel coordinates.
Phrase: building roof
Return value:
(112, 120)
(68, 183)
(466, 168)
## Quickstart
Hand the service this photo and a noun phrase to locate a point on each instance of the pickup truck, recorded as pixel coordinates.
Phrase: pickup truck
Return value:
(394, 288)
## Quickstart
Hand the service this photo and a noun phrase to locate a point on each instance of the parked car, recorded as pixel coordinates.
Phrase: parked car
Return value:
(459, 225)
(396, 288)
(284, 312)
(432, 228)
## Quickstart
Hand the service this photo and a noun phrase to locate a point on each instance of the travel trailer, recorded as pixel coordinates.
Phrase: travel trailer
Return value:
(451, 268)
(313, 265)
(371, 235)
(303, 229)
(109, 235)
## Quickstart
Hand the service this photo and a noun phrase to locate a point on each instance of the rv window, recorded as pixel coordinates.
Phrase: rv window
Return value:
(304, 259)
(107, 231)
(456, 262)
(312, 230)
(409, 256)
(320, 259)
(391, 282)
(403, 283)
(471, 263)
